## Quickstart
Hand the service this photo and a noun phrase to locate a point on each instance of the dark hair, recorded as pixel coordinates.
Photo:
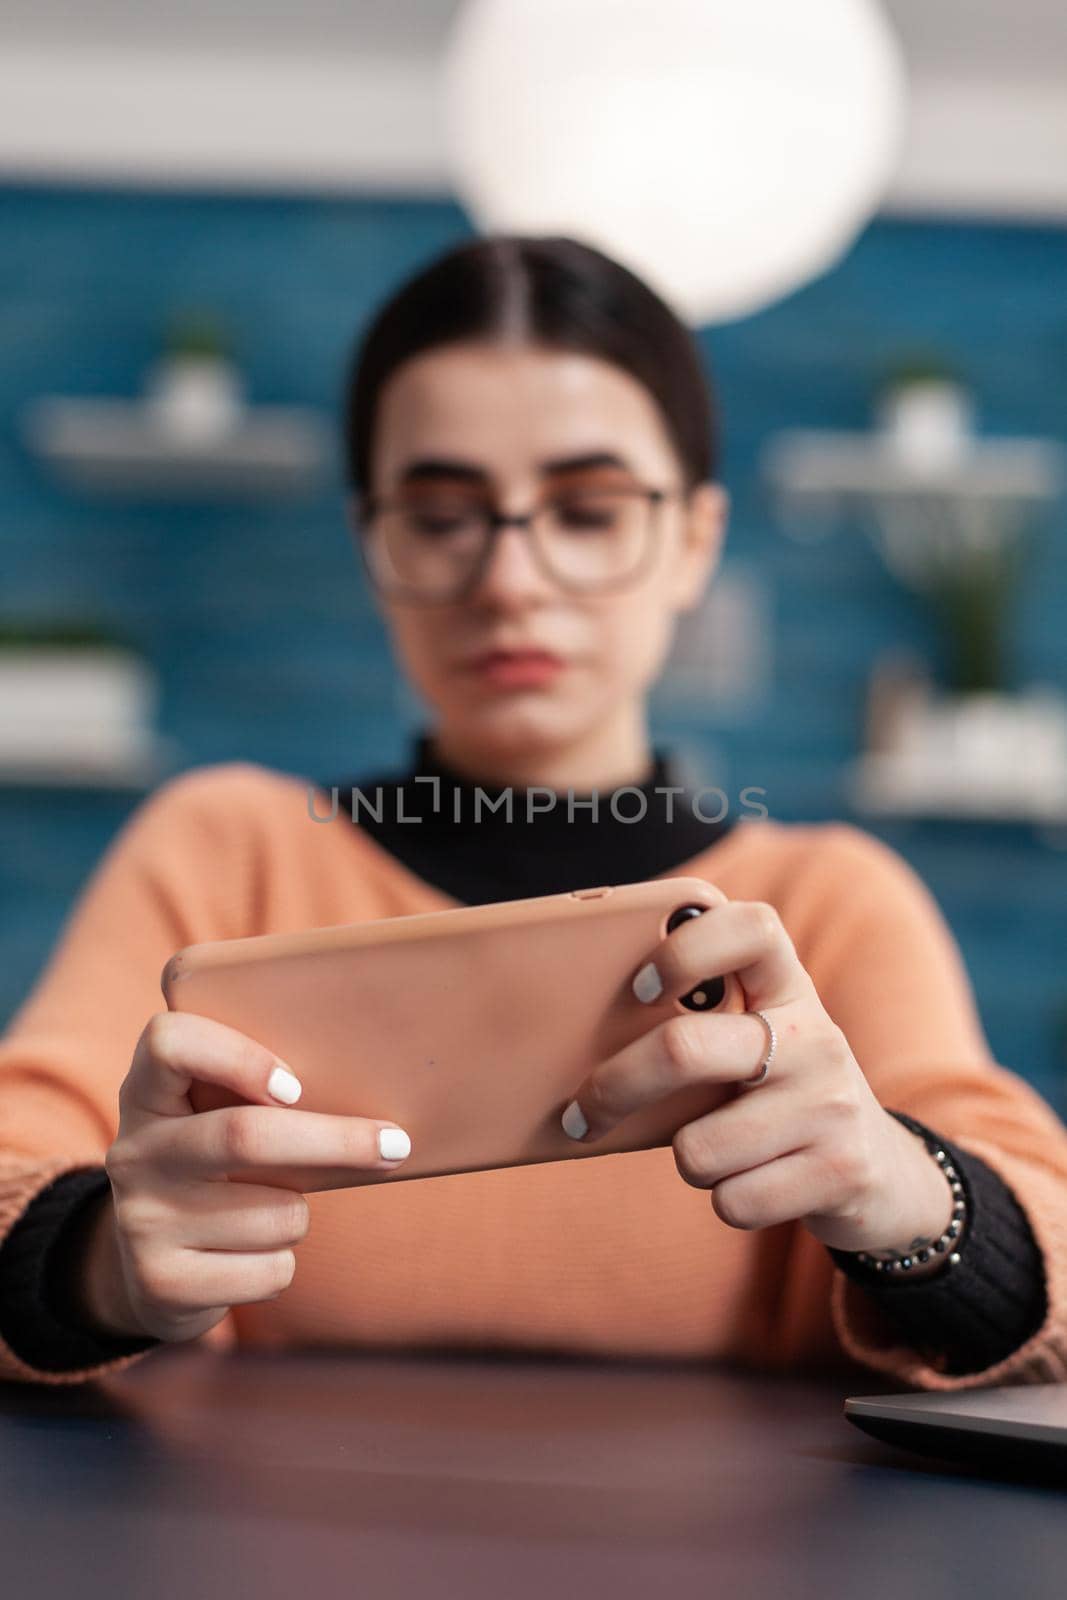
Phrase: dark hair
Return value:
(556, 291)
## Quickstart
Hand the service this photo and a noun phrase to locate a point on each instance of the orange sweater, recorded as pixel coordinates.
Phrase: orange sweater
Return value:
(611, 1256)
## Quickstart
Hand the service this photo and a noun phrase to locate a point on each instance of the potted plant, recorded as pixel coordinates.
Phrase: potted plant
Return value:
(195, 390)
(76, 696)
(925, 411)
(974, 600)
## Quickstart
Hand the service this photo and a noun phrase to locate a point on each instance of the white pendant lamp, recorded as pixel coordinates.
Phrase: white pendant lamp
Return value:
(728, 150)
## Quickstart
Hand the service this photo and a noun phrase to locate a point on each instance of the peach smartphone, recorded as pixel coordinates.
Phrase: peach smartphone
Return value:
(470, 1027)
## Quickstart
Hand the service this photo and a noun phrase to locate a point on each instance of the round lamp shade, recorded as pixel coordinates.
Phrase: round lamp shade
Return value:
(726, 150)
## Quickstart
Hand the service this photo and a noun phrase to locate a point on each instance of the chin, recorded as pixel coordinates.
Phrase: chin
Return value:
(519, 723)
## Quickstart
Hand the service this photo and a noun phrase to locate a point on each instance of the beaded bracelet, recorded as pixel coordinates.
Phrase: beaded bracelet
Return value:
(894, 1262)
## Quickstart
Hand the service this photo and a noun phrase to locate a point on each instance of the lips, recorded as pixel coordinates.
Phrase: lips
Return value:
(516, 669)
(526, 654)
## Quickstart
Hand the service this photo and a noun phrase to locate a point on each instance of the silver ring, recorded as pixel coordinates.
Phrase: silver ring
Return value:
(753, 1083)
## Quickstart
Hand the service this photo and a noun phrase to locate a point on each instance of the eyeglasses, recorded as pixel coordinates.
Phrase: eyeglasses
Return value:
(431, 546)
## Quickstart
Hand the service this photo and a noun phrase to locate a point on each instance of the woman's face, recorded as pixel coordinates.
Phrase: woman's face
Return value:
(502, 420)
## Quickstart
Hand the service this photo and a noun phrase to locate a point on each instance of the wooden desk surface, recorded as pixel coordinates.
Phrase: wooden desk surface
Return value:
(195, 1474)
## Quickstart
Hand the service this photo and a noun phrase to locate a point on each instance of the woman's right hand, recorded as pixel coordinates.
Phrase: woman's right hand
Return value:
(177, 1243)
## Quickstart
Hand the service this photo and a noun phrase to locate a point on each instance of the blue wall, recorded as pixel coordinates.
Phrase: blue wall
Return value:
(255, 615)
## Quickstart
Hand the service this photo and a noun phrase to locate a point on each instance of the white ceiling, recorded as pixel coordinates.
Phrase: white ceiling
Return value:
(984, 38)
(343, 93)
(374, 27)
(974, 37)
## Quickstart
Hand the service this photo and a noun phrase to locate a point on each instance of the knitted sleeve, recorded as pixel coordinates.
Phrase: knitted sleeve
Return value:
(180, 869)
(39, 1317)
(890, 974)
(980, 1310)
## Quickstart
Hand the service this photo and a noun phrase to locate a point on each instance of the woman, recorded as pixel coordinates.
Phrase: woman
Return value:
(531, 452)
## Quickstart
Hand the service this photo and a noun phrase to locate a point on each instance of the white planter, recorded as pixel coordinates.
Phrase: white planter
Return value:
(74, 705)
(928, 426)
(980, 754)
(195, 398)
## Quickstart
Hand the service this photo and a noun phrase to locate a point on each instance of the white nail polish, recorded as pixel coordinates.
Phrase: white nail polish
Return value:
(573, 1121)
(393, 1144)
(284, 1086)
(647, 985)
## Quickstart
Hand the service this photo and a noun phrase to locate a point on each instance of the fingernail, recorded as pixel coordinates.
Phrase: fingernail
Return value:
(573, 1121)
(284, 1086)
(647, 985)
(393, 1144)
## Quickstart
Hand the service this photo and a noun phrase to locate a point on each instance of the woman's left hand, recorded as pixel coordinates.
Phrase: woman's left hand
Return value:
(812, 1144)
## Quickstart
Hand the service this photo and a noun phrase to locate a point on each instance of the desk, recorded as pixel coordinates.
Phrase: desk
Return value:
(195, 1474)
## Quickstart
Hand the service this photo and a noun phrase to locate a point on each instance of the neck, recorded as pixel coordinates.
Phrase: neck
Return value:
(605, 758)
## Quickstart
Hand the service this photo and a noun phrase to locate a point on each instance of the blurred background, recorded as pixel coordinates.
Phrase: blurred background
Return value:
(200, 207)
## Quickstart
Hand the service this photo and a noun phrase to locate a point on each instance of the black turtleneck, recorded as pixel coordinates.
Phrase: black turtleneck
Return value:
(977, 1314)
(551, 841)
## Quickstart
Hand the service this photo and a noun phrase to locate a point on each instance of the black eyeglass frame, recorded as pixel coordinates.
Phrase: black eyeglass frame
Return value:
(494, 521)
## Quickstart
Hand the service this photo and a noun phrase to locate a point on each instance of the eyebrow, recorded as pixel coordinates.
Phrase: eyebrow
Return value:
(469, 472)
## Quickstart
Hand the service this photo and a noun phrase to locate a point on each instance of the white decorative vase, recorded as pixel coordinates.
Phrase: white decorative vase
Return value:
(927, 424)
(988, 752)
(82, 708)
(195, 398)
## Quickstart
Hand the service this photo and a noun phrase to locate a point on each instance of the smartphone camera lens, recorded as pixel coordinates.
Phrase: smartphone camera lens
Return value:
(709, 994)
(683, 914)
(706, 996)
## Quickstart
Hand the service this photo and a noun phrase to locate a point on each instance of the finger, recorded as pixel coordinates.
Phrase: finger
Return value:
(246, 1139)
(185, 1281)
(735, 1138)
(690, 1047)
(780, 1191)
(177, 1049)
(743, 937)
(231, 1216)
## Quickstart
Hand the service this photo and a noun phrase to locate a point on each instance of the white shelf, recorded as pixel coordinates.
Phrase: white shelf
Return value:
(141, 766)
(989, 757)
(884, 785)
(80, 717)
(120, 446)
(818, 464)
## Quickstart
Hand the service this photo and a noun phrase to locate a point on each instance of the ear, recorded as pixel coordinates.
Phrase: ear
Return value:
(700, 549)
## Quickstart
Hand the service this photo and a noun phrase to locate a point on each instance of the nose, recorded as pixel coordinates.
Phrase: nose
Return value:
(511, 574)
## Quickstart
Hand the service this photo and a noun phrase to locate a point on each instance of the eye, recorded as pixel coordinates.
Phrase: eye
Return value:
(434, 520)
(593, 512)
(437, 521)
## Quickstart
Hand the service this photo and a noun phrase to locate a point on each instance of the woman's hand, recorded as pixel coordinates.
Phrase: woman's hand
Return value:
(812, 1143)
(176, 1244)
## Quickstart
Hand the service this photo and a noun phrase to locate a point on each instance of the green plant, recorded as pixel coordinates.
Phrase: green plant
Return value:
(920, 366)
(973, 606)
(198, 333)
(62, 633)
